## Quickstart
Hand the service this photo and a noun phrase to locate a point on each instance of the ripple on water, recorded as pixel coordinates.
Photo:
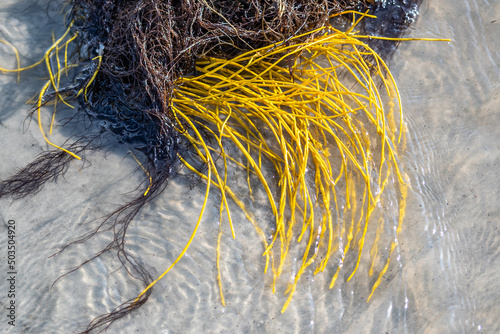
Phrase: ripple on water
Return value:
(449, 247)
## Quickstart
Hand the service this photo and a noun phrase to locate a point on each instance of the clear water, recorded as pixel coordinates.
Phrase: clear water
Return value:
(444, 279)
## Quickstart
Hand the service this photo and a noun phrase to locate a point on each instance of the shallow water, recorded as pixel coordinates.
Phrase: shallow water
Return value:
(444, 279)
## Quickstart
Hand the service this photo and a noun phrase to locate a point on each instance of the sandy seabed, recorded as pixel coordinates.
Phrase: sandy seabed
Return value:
(443, 280)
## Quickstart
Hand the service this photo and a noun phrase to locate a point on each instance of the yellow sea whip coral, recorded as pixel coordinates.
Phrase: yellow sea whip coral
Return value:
(290, 105)
(52, 52)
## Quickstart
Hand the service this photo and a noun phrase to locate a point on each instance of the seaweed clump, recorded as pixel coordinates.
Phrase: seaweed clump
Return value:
(177, 81)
